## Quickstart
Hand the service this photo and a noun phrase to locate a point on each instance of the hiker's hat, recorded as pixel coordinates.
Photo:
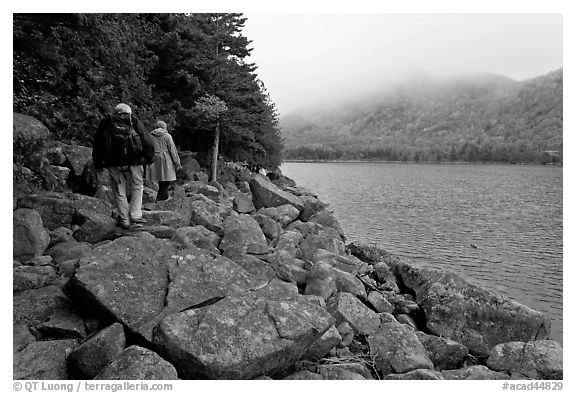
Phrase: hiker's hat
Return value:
(161, 124)
(123, 108)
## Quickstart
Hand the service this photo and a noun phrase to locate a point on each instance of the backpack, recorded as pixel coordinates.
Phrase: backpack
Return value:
(125, 145)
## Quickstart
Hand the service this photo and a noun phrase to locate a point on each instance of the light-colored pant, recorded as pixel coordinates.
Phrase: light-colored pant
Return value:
(128, 184)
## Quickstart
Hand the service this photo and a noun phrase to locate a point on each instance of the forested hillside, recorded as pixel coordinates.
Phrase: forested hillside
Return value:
(69, 70)
(483, 117)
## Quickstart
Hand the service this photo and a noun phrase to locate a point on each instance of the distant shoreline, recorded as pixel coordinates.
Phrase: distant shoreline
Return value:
(420, 162)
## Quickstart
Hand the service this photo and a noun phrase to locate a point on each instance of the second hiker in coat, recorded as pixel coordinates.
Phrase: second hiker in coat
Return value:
(166, 160)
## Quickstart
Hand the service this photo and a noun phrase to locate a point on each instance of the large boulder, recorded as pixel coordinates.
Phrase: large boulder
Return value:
(67, 250)
(140, 364)
(29, 238)
(320, 237)
(267, 194)
(126, 280)
(34, 306)
(206, 213)
(27, 129)
(446, 354)
(198, 236)
(89, 358)
(263, 332)
(94, 226)
(77, 157)
(241, 232)
(327, 219)
(44, 360)
(346, 307)
(473, 316)
(31, 277)
(540, 359)
(396, 349)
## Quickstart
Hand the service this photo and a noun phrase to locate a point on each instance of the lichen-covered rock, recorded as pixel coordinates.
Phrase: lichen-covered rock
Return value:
(420, 374)
(346, 307)
(77, 157)
(31, 277)
(21, 336)
(65, 251)
(327, 219)
(267, 194)
(44, 360)
(478, 372)
(162, 217)
(197, 235)
(288, 242)
(324, 344)
(446, 354)
(321, 281)
(29, 238)
(379, 302)
(89, 358)
(137, 363)
(396, 349)
(473, 316)
(241, 337)
(35, 306)
(321, 238)
(206, 213)
(126, 279)
(242, 203)
(270, 228)
(64, 323)
(540, 359)
(240, 231)
(95, 226)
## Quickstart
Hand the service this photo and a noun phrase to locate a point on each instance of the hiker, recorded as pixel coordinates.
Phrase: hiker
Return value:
(123, 146)
(166, 160)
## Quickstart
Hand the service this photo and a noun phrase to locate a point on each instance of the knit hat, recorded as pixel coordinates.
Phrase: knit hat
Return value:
(123, 108)
(161, 124)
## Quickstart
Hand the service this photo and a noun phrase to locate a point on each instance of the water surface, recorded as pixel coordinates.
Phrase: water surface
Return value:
(499, 226)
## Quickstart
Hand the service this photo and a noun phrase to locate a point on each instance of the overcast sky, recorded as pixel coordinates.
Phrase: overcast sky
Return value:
(312, 58)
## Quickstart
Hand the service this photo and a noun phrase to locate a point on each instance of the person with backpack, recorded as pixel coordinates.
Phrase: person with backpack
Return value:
(166, 160)
(122, 145)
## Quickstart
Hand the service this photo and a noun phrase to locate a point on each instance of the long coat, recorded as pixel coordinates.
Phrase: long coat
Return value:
(166, 158)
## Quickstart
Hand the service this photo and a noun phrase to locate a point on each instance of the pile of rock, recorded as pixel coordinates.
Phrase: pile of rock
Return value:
(247, 280)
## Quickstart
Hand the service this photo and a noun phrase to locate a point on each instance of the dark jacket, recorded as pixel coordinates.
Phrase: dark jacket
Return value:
(100, 152)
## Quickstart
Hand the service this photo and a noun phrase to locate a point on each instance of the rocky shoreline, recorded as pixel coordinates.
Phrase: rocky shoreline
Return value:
(246, 278)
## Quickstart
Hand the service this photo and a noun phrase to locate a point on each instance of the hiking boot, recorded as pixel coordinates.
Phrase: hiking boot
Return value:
(123, 224)
(138, 221)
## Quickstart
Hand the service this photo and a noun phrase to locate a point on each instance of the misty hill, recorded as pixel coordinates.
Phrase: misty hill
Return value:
(480, 117)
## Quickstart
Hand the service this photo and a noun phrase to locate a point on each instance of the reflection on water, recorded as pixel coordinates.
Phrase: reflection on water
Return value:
(499, 226)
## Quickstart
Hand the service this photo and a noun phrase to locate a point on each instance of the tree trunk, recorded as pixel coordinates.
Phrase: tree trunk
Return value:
(215, 152)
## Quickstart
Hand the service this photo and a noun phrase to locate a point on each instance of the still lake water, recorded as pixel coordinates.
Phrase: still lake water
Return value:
(498, 226)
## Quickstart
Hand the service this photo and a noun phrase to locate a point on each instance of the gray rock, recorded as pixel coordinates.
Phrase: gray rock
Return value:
(347, 263)
(311, 205)
(64, 323)
(21, 336)
(348, 370)
(29, 238)
(333, 372)
(407, 320)
(327, 219)
(379, 302)
(60, 234)
(206, 213)
(270, 228)
(383, 272)
(95, 226)
(240, 231)
(255, 266)
(420, 374)
(197, 235)
(324, 344)
(304, 375)
(540, 359)
(28, 129)
(65, 251)
(266, 194)
(242, 337)
(396, 349)
(321, 281)
(346, 307)
(346, 333)
(322, 238)
(477, 372)
(470, 315)
(77, 157)
(446, 354)
(43, 360)
(137, 363)
(43, 260)
(31, 277)
(178, 203)
(35, 306)
(90, 357)
(126, 279)
(242, 203)
(162, 217)
(288, 242)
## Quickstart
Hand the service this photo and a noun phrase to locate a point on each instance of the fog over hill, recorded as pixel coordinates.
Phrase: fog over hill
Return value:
(477, 117)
